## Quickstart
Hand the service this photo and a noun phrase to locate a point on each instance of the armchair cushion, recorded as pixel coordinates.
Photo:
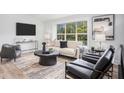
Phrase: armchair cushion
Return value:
(79, 71)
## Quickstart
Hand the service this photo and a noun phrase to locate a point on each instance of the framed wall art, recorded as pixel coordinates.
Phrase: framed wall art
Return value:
(103, 24)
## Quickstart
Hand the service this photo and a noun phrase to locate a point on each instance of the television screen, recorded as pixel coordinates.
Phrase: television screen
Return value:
(25, 29)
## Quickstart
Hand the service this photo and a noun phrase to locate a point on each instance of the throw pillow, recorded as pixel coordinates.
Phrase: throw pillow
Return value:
(63, 44)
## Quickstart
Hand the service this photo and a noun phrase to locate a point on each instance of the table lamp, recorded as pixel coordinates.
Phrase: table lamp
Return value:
(47, 38)
(100, 37)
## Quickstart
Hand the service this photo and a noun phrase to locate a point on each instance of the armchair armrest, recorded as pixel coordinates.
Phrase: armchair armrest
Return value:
(77, 52)
(17, 47)
(90, 59)
(93, 54)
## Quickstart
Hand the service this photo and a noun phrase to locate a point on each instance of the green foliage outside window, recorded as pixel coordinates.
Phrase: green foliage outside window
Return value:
(61, 28)
(60, 37)
(82, 27)
(83, 38)
(70, 28)
(70, 37)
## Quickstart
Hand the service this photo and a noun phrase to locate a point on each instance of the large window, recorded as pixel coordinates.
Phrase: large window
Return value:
(73, 31)
(70, 31)
(61, 32)
(82, 32)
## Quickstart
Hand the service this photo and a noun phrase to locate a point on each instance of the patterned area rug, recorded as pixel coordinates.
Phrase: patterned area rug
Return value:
(29, 65)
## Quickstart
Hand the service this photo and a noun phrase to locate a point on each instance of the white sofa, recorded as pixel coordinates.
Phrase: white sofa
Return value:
(72, 49)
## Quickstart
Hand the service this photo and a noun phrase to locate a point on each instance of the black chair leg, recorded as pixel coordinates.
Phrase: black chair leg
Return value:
(66, 70)
(1, 60)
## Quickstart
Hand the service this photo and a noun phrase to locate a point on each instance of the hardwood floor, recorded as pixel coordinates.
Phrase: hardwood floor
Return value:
(27, 67)
(10, 71)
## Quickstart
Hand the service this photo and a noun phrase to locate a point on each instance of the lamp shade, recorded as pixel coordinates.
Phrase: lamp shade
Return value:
(47, 36)
(100, 37)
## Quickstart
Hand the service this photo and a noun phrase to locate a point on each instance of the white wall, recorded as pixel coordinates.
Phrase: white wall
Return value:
(50, 27)
(8, 27)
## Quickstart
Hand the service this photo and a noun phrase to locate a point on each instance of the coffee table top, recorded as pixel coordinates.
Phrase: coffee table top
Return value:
(52, 53)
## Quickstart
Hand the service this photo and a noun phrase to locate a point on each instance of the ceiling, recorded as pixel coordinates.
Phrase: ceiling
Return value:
(48, 17)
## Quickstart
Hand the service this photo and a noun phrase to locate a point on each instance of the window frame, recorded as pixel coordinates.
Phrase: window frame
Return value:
(76, 31)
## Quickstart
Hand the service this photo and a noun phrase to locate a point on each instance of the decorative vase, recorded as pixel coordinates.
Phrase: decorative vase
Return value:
(44, 47)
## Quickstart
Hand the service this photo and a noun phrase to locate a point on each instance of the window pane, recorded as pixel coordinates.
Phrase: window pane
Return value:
(70, 28)
(70, 37)
(61, 28)
(60, 37)
(82, 27)
(83, 38)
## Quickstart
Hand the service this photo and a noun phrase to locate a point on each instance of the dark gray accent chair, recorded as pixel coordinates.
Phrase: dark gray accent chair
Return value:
(10, 51)
(81, 69)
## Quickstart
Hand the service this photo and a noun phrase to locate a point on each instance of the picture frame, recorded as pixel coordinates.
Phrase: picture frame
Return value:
(103, 24)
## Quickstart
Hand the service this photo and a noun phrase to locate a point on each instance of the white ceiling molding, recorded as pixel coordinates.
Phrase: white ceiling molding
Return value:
(48, 17)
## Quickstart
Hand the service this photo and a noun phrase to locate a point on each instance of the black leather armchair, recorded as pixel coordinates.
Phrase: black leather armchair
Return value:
(10, 51)
(82, 69)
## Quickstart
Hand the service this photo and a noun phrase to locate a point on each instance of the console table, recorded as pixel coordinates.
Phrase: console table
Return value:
(98, 51)
(28, 45)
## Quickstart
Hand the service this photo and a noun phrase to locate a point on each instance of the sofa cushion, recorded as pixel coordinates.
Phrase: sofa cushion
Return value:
(56, 43)
(67, 51)
(73, 44)
(63, 44)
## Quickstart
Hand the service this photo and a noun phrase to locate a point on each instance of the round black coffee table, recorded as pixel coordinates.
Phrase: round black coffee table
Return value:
(47, 59)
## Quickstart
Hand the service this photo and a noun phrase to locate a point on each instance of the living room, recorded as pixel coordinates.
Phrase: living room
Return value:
(61, 46)
(58, 40)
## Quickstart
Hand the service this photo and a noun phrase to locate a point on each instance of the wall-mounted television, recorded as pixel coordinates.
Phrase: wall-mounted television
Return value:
(23, 29)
